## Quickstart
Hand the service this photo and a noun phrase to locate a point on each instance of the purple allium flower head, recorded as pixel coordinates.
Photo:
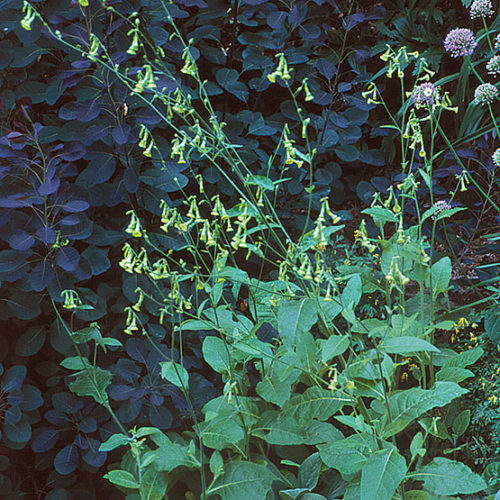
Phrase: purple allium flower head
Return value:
(460, 42)
(441, 206)
(481, 8)
(496, 158)
(425, 94)
(493, 65)
(485, 94)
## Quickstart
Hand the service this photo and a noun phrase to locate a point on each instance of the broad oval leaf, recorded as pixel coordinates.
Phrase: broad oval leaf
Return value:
(382, 473)
(447, 477)
(66, 461)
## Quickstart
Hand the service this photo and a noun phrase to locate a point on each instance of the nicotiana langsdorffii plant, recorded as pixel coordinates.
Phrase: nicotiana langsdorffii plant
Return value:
(71, 164)
(317, 399)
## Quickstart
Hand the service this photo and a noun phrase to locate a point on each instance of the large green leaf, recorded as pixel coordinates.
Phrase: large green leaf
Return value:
(465, 358)
(246, 480)
(351, 295)
(274, 390)
(447, 477)
(215, 354)
(154, 485)
(296, 317)
(404, 345)
(441, 275)
(348, 455)
(492, 326)
(316, 403)
(122, 478)
(334, 346)
(382, 474)
(309, 472)
(410, 404)
(175, 373)
(222, 431)
(171, 455)
(92, 382)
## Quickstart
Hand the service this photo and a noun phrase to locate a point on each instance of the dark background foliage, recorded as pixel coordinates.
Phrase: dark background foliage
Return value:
(70, 168)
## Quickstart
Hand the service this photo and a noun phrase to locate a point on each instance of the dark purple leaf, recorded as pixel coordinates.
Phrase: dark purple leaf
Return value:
(68, 258)
(118, 57)
(376, 12)
(97, 259)
(322, 98)
(381, 184)
(166, 83)
(71, 151)
(362, 55)
(139, 394)
(95, 133)
(49, 186)
(21, 240)
(160, 417)
(16, 140)
(32, 398)
(326, 68)
(114, 26)
(47, 234)
(127, 369)
(121, 392)
(128, 411)
(13, 384)
(79, 231)
(147, 117)
(13, 378)
(199, 3)
(15, 398)
(16, 201)
(100, 169)
(66, 402)
(310, 31)
(66, 461)
(156, 399)
(70, 220)
(87, 425)
(45, 440)
(373, 157)
(131, 179)
(83, 111)
(13, 415)
(83, 64)
(344, 87)
(297, 14)
(56, 417)
(83, 271)
(136, 350)
(276, 19)
(93, 456)
(121, 133)
(75, 206)
(81, 442)
(41, 276)
(352, 20)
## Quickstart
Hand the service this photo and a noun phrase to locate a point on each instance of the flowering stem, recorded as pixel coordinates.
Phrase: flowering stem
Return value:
(487, 34)
(452, 149)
